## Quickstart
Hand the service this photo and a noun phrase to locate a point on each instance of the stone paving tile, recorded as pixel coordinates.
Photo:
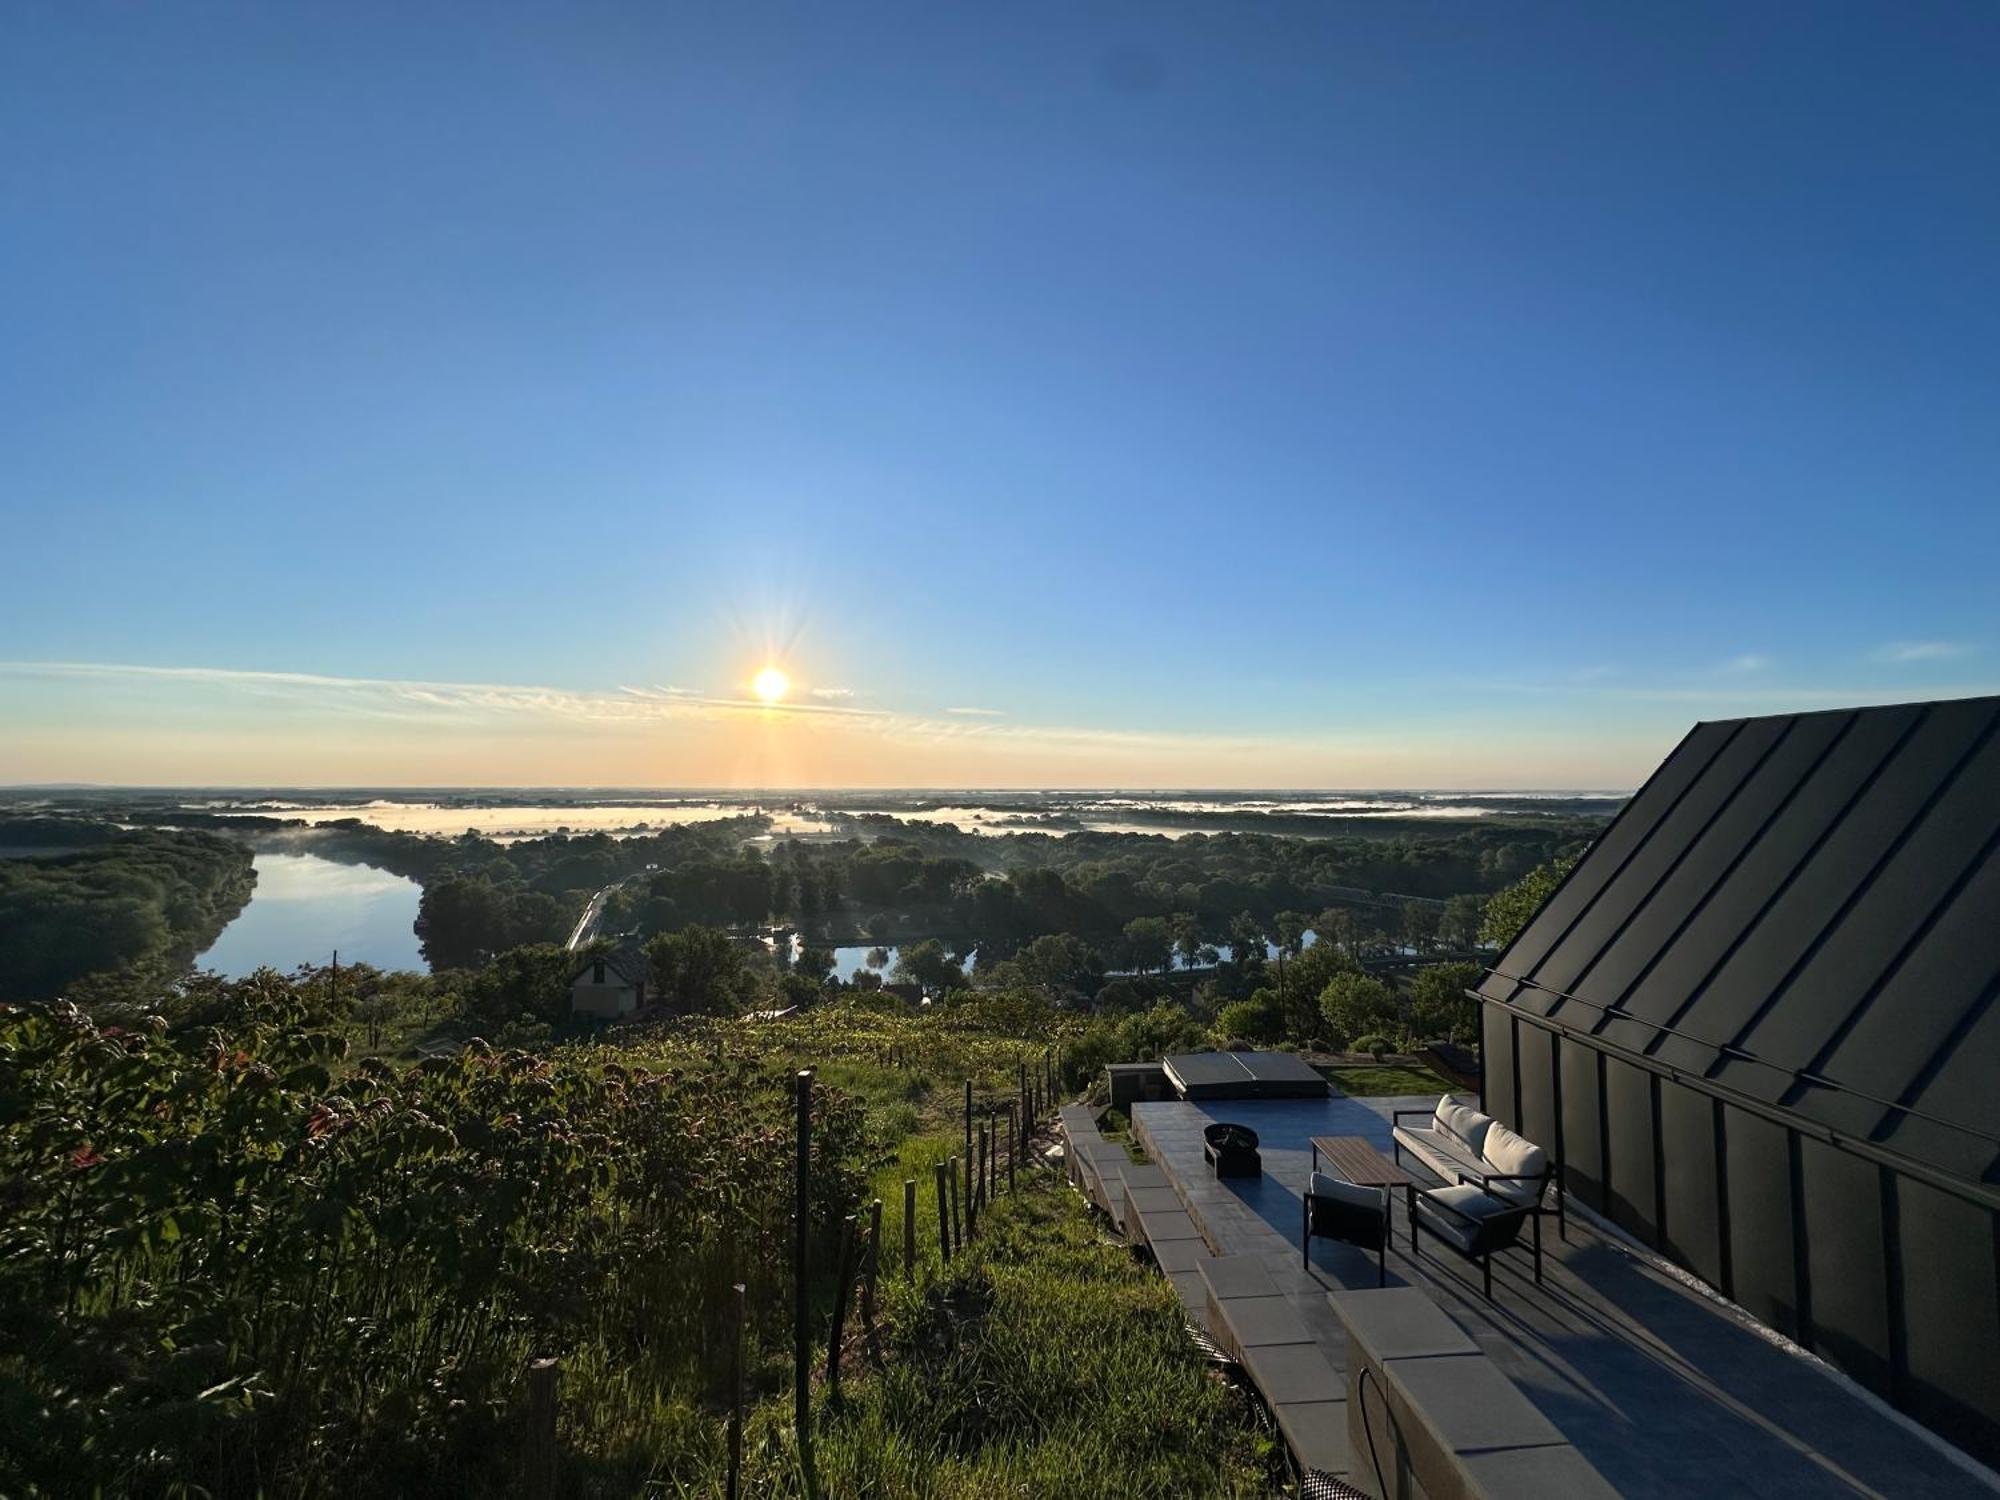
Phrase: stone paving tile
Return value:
(1179, 1257)
(1264, 1320)
(1153, 1199)
(1237, 1276)
(1169, 1224)
(1468, 1403)
(1294, 1372)
(1193, 1293)
(1316, 1432)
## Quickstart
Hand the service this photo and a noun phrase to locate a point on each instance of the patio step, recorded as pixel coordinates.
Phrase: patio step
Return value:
(1261, 1312)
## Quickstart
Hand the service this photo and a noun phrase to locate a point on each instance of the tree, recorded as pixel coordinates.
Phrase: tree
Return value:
(1509, 911)
(1292, 928)
(878, 928)
(1187, 939)
(1355, 1005)
(1463, 914)
(462, 921)
(927, 964)
(814, 965)
(1058, 965)
(1439, 1006)
(531, 980)
(1151, 942)
(1420, 924)
(1246, 940)
(1335, 928)
(1261, 1018)
(699, 970)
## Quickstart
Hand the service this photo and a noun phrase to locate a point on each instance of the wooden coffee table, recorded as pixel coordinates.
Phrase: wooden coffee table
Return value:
(1354, 1160)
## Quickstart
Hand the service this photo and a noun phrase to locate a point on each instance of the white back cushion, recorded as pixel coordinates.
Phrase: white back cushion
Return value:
(1323, 1186)
(1463, 1122)
(1514, 1155)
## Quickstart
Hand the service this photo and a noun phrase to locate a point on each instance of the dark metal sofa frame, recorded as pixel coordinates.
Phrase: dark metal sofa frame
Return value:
(1490, 1233)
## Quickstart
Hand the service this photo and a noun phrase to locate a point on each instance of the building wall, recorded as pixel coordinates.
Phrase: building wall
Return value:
(1890, 1275)
(612, 998)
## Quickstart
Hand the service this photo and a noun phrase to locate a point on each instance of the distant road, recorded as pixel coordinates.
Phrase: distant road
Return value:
(587, 923)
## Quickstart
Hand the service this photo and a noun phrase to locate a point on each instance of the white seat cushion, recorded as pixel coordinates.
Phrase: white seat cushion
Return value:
(1464, 1122)
(1512, 1155)
(1450, 1226)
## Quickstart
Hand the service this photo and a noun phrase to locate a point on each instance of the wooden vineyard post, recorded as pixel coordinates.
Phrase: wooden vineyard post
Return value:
(873, 1263)
(801, 1251)
(738, 1319)
(909, 1228)
(845, 1265)
(979, 1172)
(1021, 1098)
(970, 1211)
(957, 1217)
(1013, 1144)
(944, 1211)
(540, 1466)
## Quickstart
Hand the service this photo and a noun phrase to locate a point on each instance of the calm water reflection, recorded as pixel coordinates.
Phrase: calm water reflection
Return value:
(305, 907)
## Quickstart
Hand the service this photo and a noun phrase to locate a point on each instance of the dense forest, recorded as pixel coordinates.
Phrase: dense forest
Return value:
(109, 899)
(881, 879)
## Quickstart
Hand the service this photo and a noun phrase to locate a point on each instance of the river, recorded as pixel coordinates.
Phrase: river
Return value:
(305, 908)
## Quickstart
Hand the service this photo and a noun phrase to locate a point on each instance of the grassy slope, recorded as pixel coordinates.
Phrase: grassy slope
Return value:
(1044, 1362)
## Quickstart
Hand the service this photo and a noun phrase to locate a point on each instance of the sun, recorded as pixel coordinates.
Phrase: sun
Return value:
(770, 684)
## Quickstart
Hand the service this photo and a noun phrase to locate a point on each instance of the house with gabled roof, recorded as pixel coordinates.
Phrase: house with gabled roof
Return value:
(1759, 1026)
(609, 984)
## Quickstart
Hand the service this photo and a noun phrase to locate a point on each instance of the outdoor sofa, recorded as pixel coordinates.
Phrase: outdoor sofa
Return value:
(1470, 1149)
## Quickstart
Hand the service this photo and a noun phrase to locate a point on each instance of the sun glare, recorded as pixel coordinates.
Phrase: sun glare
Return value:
(770, 684)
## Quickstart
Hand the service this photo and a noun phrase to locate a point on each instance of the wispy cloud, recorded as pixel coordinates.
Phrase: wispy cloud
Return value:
(474, 704)
(831, 692)
(1748, 662)
(1594, 674)
(1914, 651)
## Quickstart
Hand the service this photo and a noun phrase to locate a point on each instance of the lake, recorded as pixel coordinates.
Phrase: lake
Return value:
(306, 907)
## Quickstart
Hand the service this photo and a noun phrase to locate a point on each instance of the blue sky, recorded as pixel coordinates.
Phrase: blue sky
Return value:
(1287, 395)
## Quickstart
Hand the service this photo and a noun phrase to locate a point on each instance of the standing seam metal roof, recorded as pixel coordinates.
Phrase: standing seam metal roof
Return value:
(1804, 909)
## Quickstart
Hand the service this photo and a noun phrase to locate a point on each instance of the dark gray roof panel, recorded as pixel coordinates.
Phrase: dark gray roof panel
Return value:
(1890, 906)
(1627, 833)
(1696, 876)
(1672, 993)
(1636, 884)
(1810, 907)
(1806, 907)
(1913, 1023)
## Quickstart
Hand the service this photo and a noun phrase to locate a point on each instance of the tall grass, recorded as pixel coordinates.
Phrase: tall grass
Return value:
(1044, 1362)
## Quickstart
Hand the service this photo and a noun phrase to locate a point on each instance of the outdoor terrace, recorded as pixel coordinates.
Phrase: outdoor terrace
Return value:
(1663, 1389)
